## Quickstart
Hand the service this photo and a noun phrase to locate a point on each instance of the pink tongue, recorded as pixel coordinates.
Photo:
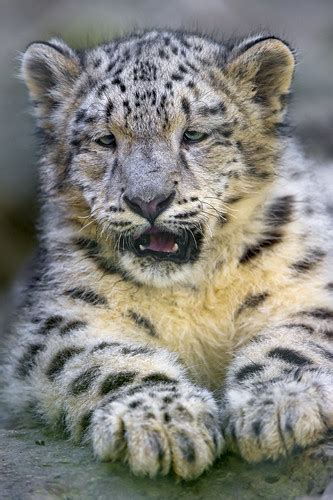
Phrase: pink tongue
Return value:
(161, 242)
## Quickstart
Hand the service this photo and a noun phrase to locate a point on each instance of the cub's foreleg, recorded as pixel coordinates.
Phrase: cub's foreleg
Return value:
(279, 391)
(131, 401)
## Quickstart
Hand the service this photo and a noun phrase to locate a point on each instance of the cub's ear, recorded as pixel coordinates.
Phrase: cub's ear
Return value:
(265, 66)
(49, 70)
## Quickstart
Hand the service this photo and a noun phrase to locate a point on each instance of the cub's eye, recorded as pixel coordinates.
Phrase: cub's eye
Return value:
(108, 141)
(194, 136)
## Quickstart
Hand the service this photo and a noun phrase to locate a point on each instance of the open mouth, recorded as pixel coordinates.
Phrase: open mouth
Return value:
(164, 245)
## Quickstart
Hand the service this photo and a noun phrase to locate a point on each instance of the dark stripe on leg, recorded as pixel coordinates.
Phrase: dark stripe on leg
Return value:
(28, 360)
(71, 326)
(105, 345)
(248, 371)
(289, 356)
(59, 360)
(84, 381)
(300, 326)
(159, 377)
(116, 380)
(133, 351)
(320, 313)
(322, 350)
(50, 323)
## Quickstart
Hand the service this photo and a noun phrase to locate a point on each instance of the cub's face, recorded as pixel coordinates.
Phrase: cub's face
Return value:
(151, 141)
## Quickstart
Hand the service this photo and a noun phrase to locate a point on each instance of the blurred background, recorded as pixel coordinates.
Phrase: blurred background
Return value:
(307, 24)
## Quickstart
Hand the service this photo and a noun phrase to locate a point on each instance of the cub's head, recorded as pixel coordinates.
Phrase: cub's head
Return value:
(150, 143)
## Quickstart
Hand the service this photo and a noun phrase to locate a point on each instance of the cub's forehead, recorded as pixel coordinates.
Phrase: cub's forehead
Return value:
(162, 48)
(146, 78)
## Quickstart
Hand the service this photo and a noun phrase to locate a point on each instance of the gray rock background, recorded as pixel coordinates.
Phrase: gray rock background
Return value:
(33, 463)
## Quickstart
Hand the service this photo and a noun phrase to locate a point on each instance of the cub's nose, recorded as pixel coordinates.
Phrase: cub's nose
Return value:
(152, 209)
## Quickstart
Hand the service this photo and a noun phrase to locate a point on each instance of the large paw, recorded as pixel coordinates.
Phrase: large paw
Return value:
(159, 429)
(271, 420)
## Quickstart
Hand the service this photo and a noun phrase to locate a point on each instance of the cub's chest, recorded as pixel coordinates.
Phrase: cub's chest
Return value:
(198, 327)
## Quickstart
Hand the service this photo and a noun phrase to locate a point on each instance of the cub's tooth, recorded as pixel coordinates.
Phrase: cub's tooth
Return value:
(142, 248)
(175, 248)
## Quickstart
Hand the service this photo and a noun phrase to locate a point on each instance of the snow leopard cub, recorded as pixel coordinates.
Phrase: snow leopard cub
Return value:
(181, 251)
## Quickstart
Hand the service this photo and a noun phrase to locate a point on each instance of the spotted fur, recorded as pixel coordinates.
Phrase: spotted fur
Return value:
(124, 349)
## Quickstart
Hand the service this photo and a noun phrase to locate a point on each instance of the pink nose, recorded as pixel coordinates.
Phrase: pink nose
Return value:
(150, 210)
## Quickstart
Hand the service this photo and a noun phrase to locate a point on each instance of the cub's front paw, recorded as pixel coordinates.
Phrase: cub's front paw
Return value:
(270, 420)
(159, 429)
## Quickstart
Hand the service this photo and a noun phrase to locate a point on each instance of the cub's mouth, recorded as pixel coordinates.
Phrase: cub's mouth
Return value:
(164, 245)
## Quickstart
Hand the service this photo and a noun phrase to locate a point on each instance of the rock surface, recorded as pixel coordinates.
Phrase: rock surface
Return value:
(36, 464)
